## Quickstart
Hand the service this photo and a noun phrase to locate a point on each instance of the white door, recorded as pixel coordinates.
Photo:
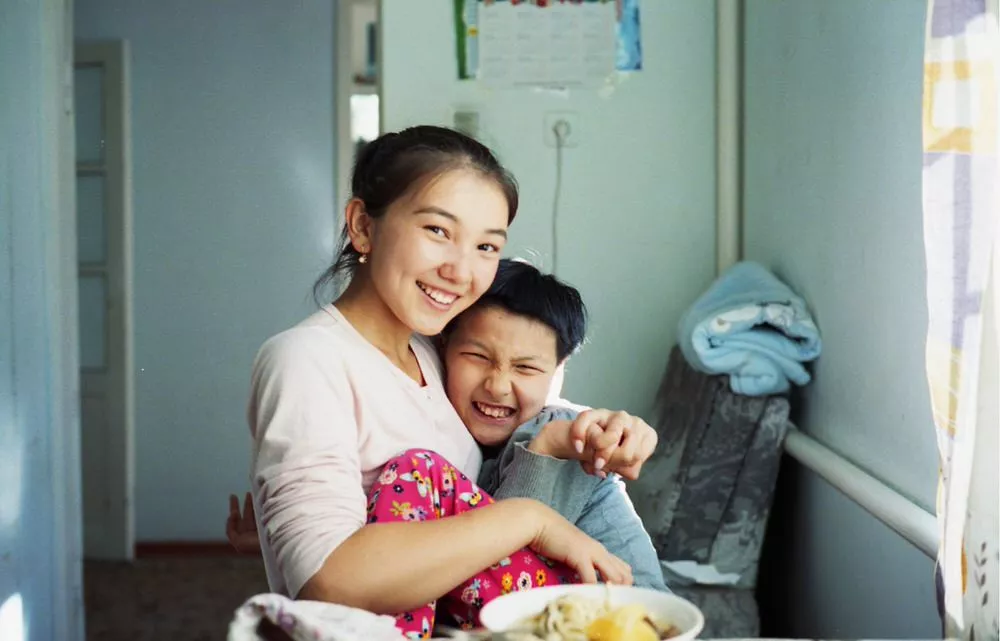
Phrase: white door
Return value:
(104, 255)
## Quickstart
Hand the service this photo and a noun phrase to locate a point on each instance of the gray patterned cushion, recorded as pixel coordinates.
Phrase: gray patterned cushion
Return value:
(730, 613)
(706, 493)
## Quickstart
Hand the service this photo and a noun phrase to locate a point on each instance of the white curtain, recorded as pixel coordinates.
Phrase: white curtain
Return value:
(961, 192)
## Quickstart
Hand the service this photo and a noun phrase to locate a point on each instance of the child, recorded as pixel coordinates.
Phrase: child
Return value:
(500, 358)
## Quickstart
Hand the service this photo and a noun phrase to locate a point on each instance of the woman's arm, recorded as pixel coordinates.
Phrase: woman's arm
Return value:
(487, 529)
(393, 567)
(540, 461)
(308, 486)
(602, 440)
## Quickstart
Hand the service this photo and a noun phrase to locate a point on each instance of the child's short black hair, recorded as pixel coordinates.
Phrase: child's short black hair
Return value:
(520, 288)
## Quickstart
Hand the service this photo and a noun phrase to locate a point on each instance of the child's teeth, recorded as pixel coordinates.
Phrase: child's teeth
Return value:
(495, 412)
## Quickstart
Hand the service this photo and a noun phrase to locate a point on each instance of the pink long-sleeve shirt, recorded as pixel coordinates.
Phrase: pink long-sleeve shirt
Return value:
(327, 410)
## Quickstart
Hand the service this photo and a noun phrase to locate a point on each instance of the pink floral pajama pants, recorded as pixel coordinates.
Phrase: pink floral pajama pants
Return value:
(419, 485)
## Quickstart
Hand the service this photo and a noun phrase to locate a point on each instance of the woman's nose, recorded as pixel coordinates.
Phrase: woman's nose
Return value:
(458, 268)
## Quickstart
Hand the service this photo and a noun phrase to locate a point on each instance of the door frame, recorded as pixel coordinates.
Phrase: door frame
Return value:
(344, 88)
(117, 541)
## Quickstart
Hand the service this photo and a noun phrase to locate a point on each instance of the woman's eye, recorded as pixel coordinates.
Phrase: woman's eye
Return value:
(437, 231)
(489, 247)
(478, 357)
(528, 369)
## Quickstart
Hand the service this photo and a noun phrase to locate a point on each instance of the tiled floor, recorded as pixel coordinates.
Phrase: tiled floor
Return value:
(171, 598)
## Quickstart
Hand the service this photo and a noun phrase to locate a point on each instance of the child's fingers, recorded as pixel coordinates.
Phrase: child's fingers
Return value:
(627, 453)
(635, 450)
(613, 429)
(604, 442)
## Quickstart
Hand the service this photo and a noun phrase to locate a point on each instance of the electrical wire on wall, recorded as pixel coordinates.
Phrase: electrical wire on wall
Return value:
(560, 130)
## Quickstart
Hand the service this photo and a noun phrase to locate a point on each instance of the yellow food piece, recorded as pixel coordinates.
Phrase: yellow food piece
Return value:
(627, 623)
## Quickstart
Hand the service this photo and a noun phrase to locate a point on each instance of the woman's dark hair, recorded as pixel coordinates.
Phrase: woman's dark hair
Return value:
(389, 167)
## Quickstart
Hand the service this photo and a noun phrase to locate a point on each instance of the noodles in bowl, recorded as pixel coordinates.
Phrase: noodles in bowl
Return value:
(578, 618)
(592, 613)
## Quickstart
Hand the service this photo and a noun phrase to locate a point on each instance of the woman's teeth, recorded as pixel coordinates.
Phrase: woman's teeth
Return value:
(437, 295)
(494, 411)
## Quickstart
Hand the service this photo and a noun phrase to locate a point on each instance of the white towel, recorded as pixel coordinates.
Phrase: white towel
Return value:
(311, 621)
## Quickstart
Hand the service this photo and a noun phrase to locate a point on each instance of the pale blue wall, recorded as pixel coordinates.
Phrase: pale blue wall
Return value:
(232, 152)
(832, 204)
(637, 207)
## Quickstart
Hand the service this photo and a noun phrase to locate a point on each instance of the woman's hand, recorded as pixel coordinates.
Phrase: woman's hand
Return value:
(603, 441)
(241, 529)
(612, 442)
(560, 540)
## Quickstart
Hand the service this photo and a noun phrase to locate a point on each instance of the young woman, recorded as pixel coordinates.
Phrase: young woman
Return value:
(337, 397)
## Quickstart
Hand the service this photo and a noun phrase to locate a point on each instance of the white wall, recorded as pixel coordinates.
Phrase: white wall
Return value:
(40, 532)
(637, 210)
(833, 205)
(232, 139)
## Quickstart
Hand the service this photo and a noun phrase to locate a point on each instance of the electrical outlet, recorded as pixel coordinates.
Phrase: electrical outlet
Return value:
(568, 124)
(466, 120)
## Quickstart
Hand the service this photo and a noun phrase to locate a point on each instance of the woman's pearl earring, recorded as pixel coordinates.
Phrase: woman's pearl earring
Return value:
(363, 259)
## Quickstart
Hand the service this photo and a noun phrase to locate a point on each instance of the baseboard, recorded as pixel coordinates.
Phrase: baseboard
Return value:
(154, 549)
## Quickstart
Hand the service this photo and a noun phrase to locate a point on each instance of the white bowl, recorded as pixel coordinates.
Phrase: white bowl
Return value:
(510, 610)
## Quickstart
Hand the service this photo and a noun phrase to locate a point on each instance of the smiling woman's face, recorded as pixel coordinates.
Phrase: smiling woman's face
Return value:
(436, 252)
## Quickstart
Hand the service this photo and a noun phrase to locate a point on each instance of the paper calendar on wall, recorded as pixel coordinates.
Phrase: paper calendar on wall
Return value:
(560, 43)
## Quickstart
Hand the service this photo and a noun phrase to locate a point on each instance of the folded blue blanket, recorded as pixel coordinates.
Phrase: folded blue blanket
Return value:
(751, 326)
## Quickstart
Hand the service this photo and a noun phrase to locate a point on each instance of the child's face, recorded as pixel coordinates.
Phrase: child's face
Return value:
(499, 367)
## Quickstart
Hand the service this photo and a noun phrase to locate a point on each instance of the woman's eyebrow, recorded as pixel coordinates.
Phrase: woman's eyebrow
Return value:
(430, 209)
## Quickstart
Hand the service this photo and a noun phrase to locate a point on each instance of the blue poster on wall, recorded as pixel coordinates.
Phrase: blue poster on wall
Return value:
(629, 56)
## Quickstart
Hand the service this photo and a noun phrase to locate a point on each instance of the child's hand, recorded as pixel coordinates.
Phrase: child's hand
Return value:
(241, 529)
(607, 441)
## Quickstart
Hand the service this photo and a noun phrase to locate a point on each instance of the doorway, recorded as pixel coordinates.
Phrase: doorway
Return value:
(104, 255)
